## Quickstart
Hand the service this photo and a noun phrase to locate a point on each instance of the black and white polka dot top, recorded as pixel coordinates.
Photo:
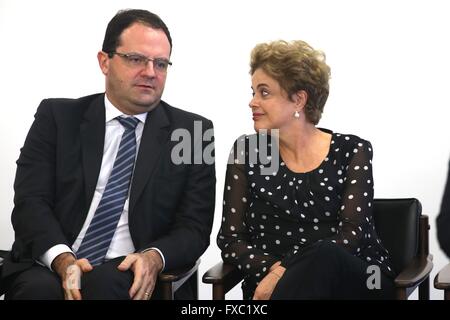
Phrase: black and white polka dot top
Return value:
(272, 217)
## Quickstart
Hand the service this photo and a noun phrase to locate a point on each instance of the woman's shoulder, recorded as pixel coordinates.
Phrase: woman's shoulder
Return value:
(348, 140)
(345, 147)
(239, 149)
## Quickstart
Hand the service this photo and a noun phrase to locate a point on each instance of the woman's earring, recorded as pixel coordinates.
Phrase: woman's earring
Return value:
(297, 114)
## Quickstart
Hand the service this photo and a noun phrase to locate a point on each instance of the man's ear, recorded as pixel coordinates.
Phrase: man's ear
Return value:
(103, 62)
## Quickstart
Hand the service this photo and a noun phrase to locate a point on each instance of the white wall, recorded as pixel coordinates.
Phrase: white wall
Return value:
(389, 62)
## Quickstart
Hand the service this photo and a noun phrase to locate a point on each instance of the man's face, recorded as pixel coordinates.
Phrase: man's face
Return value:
(131, 86)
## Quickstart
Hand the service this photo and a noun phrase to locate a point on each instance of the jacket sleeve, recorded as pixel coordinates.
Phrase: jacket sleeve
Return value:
(33, 219)
(189, 234)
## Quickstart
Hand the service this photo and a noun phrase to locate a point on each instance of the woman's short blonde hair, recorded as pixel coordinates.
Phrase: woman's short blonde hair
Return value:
(296, 66)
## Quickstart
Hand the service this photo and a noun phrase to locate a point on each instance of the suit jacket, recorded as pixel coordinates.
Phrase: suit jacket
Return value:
(443, 220)
(171, 206)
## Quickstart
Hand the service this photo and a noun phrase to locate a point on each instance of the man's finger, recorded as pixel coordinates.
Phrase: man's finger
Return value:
(138, 281)
(146, 289)
(137, 284)
(68, 295)
(144, 294)
(127, 262)
(84, 265)
(76, 295)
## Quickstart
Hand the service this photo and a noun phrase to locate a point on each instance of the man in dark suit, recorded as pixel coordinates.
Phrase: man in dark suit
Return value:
(100, 195)
(443, 219)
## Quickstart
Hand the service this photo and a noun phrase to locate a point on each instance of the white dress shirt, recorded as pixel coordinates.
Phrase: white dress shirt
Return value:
(121, 244)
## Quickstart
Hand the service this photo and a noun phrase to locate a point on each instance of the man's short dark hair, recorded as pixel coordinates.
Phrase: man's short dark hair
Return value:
(124, 19)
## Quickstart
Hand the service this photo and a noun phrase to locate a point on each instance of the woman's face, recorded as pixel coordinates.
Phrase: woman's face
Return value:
(271, 106)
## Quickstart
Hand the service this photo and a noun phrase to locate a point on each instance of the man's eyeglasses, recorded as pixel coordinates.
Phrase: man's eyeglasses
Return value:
(139, 61)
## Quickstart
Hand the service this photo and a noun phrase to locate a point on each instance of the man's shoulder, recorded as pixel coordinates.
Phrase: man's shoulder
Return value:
(66, 109)
(62, 102)
(180, 115)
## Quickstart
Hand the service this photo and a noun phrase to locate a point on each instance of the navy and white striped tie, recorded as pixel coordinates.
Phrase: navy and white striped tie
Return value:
(100, 232)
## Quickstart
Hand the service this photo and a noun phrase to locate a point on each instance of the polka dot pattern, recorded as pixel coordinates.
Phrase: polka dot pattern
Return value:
(287, 211)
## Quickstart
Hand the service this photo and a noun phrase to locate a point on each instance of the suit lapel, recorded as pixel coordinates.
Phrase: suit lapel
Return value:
(92, 132)
(154, 137)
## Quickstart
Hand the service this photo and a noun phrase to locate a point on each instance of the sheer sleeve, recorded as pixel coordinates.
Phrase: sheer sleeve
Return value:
(355, 212)
(234, 238)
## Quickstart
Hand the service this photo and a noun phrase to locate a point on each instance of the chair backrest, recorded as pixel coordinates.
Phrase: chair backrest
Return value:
(397, 225)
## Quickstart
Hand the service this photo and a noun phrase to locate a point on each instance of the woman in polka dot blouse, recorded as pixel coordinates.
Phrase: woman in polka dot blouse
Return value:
(297, 210)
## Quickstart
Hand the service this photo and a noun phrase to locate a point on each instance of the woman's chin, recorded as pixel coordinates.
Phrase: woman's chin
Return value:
(260, 126)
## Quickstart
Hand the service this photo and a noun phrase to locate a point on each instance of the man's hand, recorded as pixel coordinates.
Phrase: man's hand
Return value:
(70, 271)
(146, 267)
(265, 288)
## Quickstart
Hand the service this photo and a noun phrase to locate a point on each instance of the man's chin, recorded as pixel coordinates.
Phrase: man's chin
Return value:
(146, 104)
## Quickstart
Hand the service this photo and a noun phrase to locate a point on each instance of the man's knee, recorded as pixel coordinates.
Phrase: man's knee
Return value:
(36, 283)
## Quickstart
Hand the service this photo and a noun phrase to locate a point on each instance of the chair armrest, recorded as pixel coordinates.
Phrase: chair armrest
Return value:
(174, 279)
(442, 279)
(223, 274)
(178, 274)
(3, 253)
(415, 273)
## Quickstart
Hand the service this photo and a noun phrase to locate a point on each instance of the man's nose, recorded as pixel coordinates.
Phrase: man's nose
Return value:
(149, 69)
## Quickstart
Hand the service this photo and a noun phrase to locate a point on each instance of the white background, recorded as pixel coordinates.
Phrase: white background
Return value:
(389, 62)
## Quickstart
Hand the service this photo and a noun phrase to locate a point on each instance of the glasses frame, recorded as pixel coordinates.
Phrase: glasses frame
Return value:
(145, 60)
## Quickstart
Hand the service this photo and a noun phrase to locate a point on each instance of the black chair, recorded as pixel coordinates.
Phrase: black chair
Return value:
(168, 281)
(402, 229)
(442, 281)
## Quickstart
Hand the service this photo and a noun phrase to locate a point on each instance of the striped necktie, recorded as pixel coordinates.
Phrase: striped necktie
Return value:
(100, 232)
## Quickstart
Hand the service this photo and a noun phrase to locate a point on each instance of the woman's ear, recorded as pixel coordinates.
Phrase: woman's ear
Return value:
(300, 98)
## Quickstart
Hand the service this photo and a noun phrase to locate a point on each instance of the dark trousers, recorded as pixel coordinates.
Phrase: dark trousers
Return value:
(328, 271)
(103, 282)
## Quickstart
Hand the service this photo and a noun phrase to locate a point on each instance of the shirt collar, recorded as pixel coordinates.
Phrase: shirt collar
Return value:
(111, 112)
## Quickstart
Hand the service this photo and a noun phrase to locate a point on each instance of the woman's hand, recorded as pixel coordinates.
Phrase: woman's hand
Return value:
(265, 288)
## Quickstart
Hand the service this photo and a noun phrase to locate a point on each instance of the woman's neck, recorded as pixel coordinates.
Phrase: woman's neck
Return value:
(298, 139)
(303, 147)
